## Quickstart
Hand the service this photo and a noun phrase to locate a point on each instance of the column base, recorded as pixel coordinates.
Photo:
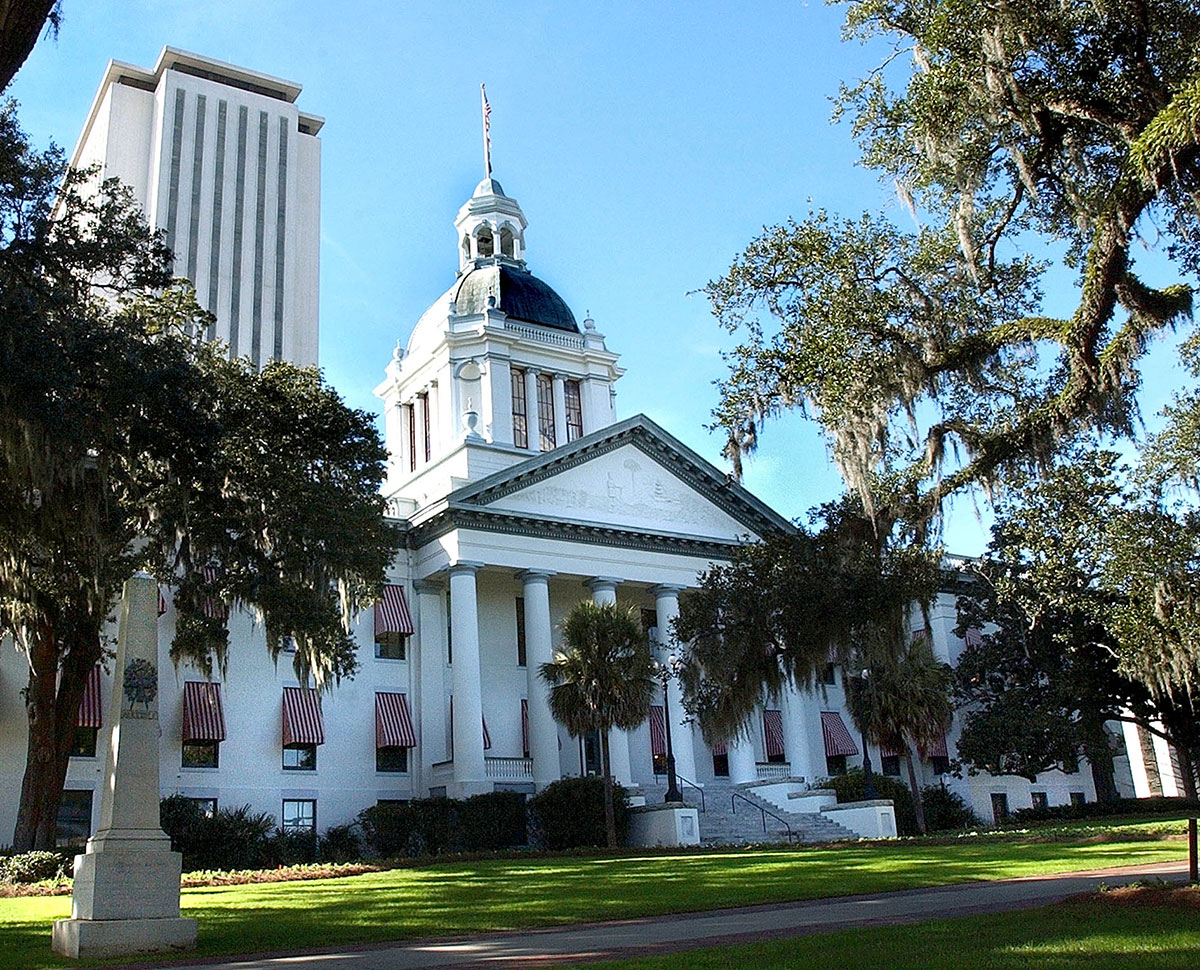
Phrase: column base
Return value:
(92, 938)
(465, 789)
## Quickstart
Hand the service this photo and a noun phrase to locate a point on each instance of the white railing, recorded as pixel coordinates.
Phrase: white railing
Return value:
(545, 336)
(774, 770)
(506, 769)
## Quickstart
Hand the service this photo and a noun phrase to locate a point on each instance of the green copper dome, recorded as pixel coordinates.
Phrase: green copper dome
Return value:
(518, 293)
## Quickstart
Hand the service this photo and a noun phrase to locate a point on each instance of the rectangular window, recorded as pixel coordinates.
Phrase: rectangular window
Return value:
(520, 631)
(829, 676)
(999, 807)
(391, 759)
(574, 410)
(206, 806)
(720, 765)
(300, 757)
(299, 815)
(84, 745)
(545, 405)
(201, 754)
(1078, 798)
(520, 410)
(427, 445)
(889, 764)
(410, 429)
(74, 817)
(391, 649)
(1039, 800)
(835, 764)
(449, 631)
(940, 764)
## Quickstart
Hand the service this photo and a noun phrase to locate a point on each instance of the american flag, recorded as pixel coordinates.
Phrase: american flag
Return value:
(487, 131)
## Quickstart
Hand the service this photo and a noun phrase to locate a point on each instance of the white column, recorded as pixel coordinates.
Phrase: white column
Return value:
(531, 409)
(543, 730)
(742, 768)
(796, 738)
(560, 411)
(666, 600)
(434, 403)
(431, 697)
(404, 446)
(604, 591)
(470, 773)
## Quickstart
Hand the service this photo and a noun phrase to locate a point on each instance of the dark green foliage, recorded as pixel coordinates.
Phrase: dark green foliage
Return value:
(570, 813)
(1133, 807)
(230, 839)
(851, 787)
(946, 811)
(340, 843)
(437, 826)
(35, 866)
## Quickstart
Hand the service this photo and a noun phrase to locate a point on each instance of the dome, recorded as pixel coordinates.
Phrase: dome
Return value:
(489, 186)
(518, 293)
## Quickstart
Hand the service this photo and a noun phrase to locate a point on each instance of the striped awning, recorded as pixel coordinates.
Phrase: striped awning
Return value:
(773, 733)
(302, 722)
(887, 751)
(214, 609)
(720, 748)
(203, 714)
(393, 722)
(658, 731)
(91, 706)
(973, 637)
(838, 740)
(392, 618)
(938, 750)
(524, 728)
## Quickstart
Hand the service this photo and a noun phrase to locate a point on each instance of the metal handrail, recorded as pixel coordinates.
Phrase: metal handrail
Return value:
(692, 784)
(764, 811)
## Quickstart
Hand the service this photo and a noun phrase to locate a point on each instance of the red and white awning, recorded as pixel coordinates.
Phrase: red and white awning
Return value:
(203, 713)
(393, 722)
(938, 750)
(302, 722)
(773, 733)
(658, 731)
(973, 637)
(720, 748)
(91, 705)
(214, 609)
(392, 617)
(837, 737)
(524, 728)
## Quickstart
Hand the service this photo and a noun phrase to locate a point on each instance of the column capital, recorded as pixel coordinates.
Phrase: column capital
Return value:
(533, 575)
(429, 585)
(666, 589)
(465, 566)
(602, 582)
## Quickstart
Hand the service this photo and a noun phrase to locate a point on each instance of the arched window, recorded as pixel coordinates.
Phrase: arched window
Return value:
(466, 247)
(483, 242)
(506, 242)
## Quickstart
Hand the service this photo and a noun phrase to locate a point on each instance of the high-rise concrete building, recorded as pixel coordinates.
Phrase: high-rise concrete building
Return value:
(229, 168)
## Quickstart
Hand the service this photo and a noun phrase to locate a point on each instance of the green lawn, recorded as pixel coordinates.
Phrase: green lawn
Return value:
(514, 893)
(1086, 934)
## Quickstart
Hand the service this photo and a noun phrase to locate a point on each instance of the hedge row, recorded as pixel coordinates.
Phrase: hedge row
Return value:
(1118, 806)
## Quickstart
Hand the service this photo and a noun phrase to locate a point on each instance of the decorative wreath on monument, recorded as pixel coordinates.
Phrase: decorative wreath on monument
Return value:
(141, 682)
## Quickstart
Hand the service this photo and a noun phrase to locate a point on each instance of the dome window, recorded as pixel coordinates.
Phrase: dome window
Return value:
(484, 243)
(466, 248)
(506, 242)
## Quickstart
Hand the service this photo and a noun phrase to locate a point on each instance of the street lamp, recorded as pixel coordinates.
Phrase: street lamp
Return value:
(672, 786)
(868, 779)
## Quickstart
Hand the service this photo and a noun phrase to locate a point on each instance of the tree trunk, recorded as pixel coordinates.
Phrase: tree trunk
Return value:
(610, 818)
(918, 808)
(1187, 771)
(52, 710)
(1100, 759)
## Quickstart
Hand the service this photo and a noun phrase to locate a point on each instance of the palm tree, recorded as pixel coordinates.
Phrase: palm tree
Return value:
(901, 701)
(603, 678)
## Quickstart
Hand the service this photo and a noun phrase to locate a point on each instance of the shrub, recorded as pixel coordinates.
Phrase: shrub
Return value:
(1117, 806)
(32, 867)
(387, 828)
(235, 838)
(851, 787)
(946, 810)
(570, 813)
(289, 848)
(492, 821)
(340, 843)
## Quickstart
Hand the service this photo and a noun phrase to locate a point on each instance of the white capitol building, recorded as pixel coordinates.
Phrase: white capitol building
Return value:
(517, 488)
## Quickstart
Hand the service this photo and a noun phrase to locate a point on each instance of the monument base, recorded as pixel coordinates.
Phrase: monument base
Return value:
(94, 938)
(126, 880)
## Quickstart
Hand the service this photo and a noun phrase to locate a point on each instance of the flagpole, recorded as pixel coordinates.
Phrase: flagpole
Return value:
(486, 109)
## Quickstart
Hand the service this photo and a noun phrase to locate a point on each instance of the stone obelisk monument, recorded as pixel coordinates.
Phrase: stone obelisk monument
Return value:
(126, 895)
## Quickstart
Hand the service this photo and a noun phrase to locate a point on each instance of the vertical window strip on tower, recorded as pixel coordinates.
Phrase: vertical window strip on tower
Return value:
(239, 218)
(520, 410)
(260, 232)
(197, 179)
(173, 177)
(280, 238)
(424, 399)
(218, 201)
(574, 408)
(545, 405)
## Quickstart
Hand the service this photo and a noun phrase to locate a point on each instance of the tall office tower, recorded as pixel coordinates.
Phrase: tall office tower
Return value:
(229, 168)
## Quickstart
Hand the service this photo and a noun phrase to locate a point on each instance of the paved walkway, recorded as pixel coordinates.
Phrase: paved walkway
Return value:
(664, 934)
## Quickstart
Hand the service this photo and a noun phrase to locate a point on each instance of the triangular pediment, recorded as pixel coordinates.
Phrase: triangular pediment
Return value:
(633, 477)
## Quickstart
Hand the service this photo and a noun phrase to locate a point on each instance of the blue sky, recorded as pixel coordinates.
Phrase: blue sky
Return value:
(646, 143)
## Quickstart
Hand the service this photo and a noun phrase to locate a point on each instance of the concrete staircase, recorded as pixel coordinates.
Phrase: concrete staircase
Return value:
(735, 821)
